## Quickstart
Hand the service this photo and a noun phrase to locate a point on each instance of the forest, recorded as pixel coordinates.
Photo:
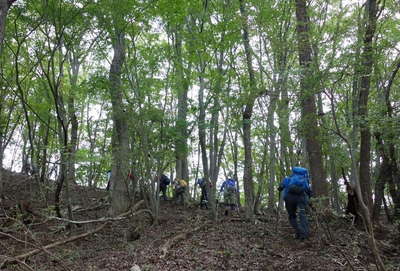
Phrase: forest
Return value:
(101, 98)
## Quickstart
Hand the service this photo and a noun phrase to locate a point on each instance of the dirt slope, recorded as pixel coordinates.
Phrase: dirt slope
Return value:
(229, 244)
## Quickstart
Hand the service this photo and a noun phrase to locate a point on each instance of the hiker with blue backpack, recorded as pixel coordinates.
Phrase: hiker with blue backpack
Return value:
(229, 189)
(164, 182)
(296, 194)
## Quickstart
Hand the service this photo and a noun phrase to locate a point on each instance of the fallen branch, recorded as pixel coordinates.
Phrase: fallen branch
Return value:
(164, 249)
(61, 242)
(106, 219)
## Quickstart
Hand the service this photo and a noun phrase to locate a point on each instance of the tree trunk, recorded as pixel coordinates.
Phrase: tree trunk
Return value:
(246, 118)
(389, 135)
(216, 147)
(309, 128)
(72, 119)
(181, 148)
(261, 180)
(272, 149)
(286, 144)
(365, 82)
(335, 185)
(384, 175)
(120, 140)
(202, 129)
(235, 168)
(4, 8)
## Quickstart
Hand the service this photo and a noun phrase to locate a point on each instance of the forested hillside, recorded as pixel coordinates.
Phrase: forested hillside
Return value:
(122, 116)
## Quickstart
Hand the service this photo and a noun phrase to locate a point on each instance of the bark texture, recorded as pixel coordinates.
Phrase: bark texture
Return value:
(365, 82)
(246, 119)
(120, 140)
(310, 129)
(4, 8)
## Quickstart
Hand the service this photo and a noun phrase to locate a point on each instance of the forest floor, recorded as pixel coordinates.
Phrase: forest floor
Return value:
(183, 239)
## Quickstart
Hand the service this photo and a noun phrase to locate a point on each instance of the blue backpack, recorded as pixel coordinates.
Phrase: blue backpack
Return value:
(201, 182)
(230, 184)
(165, 180)
(298, 183)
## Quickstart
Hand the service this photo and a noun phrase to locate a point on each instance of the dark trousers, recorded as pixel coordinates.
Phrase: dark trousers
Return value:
(180, 195)
(297, 204)
(163, 190)
(204, 198)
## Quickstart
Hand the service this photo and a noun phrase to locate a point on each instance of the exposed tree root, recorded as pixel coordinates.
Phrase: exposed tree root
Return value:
(164, 249)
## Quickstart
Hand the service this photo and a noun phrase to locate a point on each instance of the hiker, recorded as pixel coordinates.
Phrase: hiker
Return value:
(229, 189)
(296, 193)
(180, 188)
(202, 183)
(164, 182)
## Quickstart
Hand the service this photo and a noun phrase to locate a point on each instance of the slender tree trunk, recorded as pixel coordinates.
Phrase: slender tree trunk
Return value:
(261, 180)
(120, 140)
(202, 132)
(181, 148)
(272, 150)
(216, 147)
(309, 123)
(72, 144)
(235, 168)
(384, 175)
(246, 118)
(286, 144)
(335, 185)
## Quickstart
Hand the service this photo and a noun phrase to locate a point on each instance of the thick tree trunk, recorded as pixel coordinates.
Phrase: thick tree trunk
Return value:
(309, 122)
(120, 141)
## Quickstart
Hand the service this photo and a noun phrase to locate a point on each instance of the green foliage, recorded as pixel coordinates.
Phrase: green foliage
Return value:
(43, 37)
